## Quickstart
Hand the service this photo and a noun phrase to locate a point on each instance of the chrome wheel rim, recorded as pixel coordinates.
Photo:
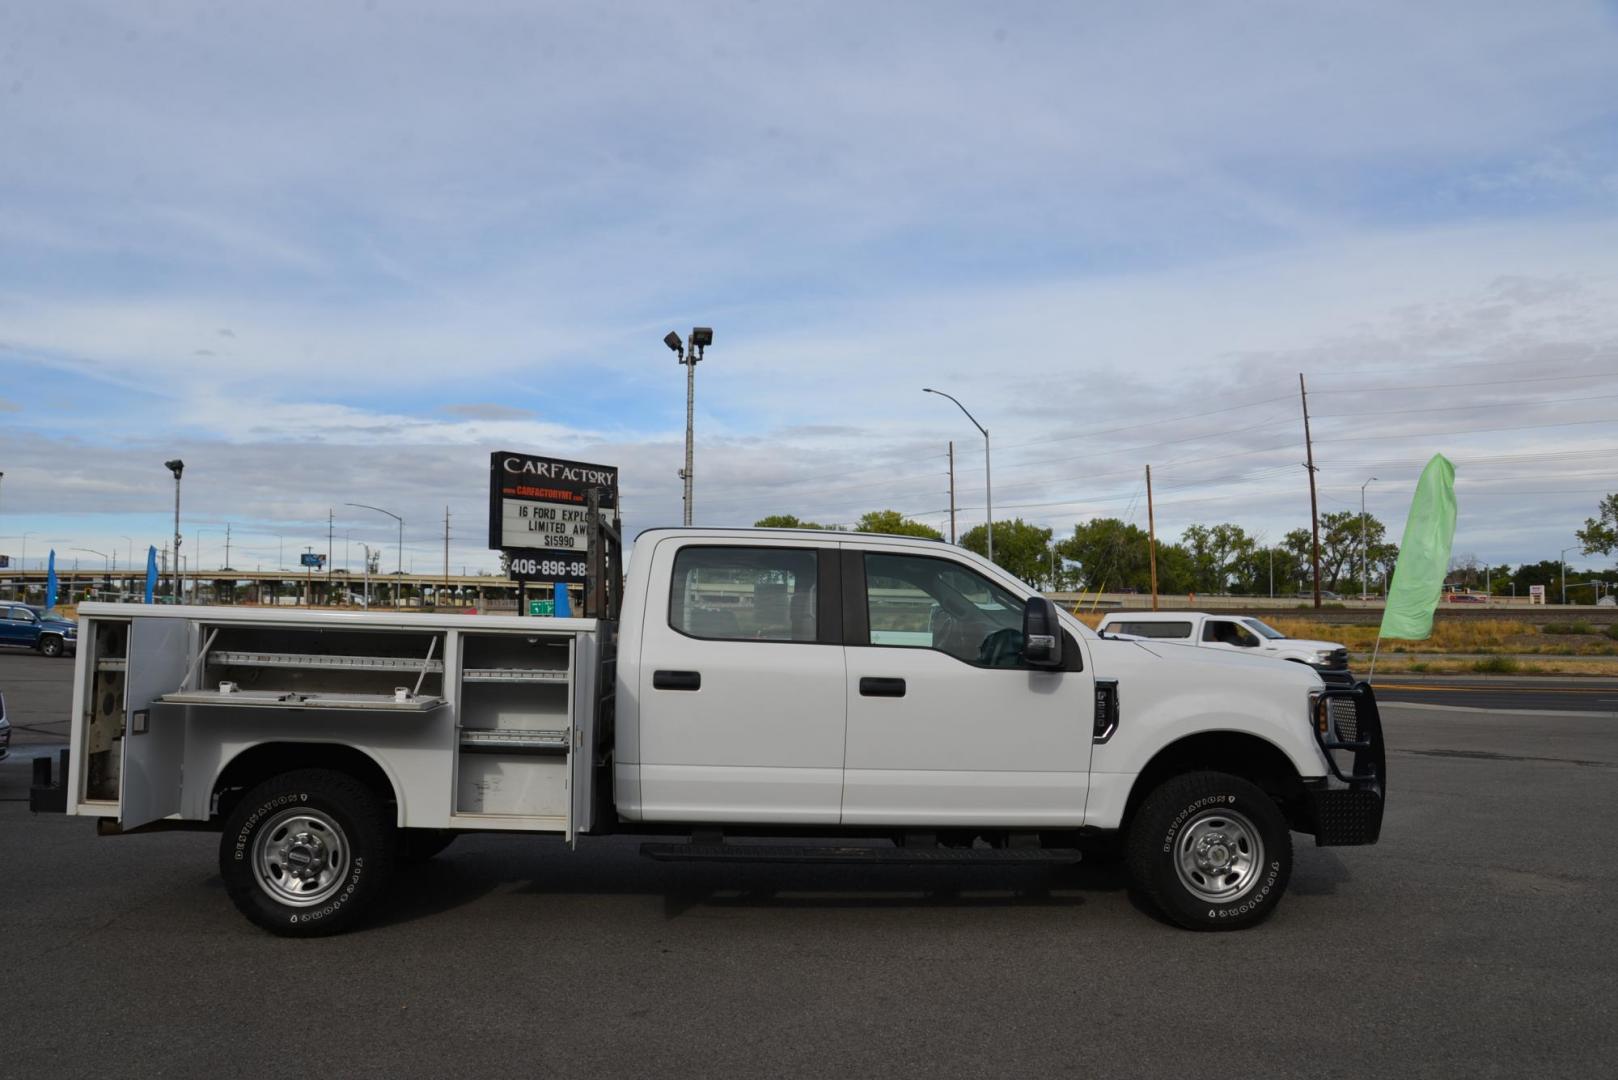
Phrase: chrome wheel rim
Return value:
(300, 857)
(1218, 854)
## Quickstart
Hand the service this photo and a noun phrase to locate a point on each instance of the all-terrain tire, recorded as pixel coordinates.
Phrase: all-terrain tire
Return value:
(1210, 851)
(305, 853)
(51, 645)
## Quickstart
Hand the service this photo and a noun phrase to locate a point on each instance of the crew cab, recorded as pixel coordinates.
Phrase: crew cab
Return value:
(23, 627)
(1242, 633)
(804, 686)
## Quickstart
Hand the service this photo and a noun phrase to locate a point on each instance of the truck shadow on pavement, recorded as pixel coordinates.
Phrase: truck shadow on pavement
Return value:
(461, 877)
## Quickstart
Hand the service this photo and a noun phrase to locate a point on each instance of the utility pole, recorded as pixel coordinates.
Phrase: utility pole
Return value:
(227, 543)
(331, 533)
(1151, 535)
(446, 550)
(952, 491)
(1314, 505)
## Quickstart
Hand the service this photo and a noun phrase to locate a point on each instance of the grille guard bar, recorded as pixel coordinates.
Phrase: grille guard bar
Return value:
(1370, 770)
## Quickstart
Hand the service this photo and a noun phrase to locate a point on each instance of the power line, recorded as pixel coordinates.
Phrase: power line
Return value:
(1483, 405)
(1454, 385)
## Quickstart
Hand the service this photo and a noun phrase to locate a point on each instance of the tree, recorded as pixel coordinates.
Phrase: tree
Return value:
(1020, 548)
(1216, 552)
(1547, 572)
(1111, 554)
(786, 521)
(893, 523)
(1600, 534)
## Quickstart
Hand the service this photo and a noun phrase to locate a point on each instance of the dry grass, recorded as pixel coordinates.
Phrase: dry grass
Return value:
(1449, 636)
(1497, 665)
(1489, 638)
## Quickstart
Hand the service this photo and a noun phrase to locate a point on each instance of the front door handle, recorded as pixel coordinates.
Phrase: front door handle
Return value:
(676, 680)
(871, 686)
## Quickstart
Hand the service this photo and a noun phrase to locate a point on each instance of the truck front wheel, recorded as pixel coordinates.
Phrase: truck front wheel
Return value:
(51, 645)
(1211, 851)
(304, 853)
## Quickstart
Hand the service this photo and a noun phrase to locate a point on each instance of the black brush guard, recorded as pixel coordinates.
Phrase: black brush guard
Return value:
(1347, 807)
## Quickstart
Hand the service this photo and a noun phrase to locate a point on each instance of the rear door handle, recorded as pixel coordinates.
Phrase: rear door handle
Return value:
(676, 680)
(871, 686)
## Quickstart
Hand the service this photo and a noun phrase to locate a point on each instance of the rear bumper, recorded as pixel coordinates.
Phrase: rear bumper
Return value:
(1346, 807)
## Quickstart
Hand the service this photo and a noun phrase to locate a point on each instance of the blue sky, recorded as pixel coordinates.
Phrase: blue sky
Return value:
(339, 252)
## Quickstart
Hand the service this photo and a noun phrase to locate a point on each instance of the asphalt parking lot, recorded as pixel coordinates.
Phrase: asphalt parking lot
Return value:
(1478, 939)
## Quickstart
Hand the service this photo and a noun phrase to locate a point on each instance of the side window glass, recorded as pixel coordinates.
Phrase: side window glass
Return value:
(744, 593)
(917, 602)
(1225, 632)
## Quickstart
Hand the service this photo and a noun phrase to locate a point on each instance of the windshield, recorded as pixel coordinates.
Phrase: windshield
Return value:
(1268, 631)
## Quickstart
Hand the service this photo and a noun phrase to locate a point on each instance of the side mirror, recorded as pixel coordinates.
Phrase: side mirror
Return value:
(1041, 633)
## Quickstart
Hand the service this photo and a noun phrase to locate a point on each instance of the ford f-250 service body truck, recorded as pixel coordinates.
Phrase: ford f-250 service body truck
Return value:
(756, 683)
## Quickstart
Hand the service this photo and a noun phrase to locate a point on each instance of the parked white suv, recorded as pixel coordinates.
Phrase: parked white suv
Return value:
(1239, 633)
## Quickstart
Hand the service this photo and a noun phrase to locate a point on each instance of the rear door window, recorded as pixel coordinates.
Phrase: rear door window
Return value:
(744, 593)
(1167, 630)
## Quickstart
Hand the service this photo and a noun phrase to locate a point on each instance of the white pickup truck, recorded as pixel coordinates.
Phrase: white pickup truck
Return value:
(1242, 633)
(757, 683)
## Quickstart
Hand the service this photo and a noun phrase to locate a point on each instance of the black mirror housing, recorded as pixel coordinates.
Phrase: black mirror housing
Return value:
(1041, 633)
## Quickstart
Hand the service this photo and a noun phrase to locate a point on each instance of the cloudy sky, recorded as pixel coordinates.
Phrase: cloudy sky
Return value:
(340, 251)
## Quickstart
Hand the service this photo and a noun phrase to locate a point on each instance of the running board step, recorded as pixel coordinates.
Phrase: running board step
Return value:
(886, 856)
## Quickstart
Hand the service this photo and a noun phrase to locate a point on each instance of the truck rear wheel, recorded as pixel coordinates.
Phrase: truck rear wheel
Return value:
(1211, 851)
(305, 853)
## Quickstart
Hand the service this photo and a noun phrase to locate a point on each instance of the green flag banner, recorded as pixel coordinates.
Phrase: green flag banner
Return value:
(1418, 576)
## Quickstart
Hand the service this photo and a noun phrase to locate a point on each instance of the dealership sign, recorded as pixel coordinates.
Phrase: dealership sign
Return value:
(537, 512)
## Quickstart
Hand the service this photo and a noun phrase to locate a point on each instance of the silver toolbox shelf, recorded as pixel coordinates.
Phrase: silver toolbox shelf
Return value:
(311, 660)
(283, 699)
(112, 663)
(514, 739)
(514, 675)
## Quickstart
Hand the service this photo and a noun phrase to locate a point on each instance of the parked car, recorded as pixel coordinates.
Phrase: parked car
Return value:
(1241, 633)
(1465, 598)
(22, 626)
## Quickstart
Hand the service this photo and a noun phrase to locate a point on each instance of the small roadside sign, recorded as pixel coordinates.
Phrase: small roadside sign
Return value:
(542, 607)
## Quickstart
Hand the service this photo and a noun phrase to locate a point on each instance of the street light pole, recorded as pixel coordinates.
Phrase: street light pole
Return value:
(988, 483)
(1562, 558)
(398, 586)
(1365, 568)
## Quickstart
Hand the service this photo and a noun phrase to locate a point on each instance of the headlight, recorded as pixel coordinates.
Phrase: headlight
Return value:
(1320, 658)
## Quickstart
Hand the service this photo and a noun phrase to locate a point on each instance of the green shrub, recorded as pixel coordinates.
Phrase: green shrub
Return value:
(1497, 665)
(1612, 632)
(1569, 628)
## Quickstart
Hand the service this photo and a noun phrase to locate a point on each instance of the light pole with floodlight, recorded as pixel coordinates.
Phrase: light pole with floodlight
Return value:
(988, 485)
(689, 353)
(176, 467)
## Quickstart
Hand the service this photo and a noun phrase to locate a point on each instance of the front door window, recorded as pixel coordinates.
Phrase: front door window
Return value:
(924, 603)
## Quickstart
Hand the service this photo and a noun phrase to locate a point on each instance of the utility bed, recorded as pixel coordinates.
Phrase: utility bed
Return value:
(479, 722)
